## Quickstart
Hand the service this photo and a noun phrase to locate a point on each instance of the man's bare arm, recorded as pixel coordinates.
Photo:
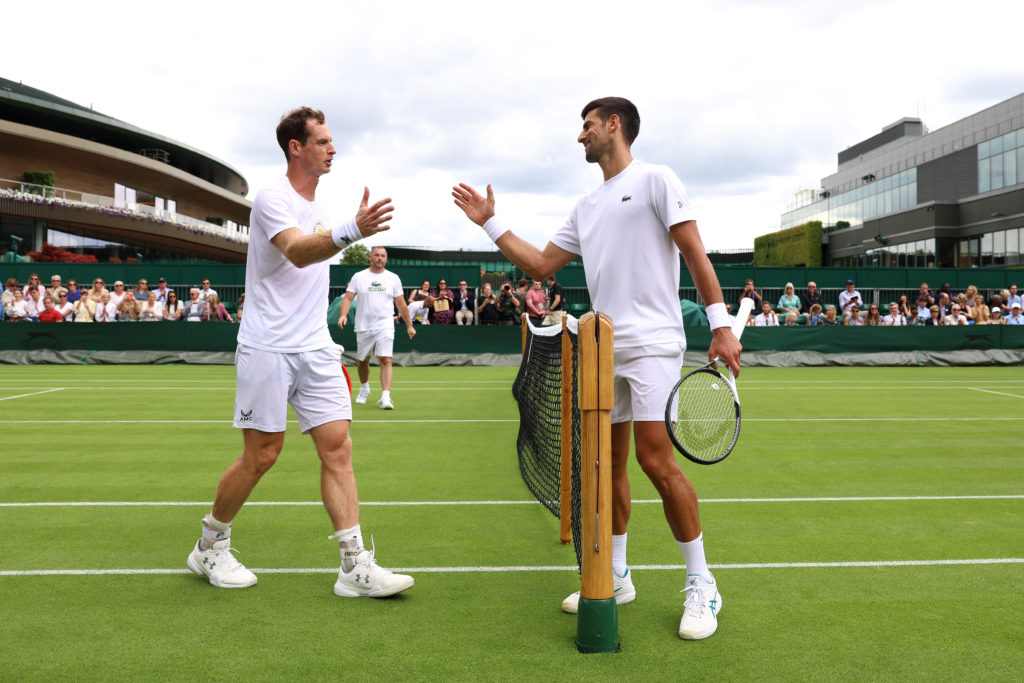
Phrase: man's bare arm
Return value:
(403, 314)
(724, 344)
(346, 304)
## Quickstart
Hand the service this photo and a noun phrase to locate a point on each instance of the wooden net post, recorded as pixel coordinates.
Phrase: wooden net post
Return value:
(565, 491)
(597, 627)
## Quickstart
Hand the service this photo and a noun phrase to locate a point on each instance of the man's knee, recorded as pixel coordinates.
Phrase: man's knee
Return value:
(384, 360)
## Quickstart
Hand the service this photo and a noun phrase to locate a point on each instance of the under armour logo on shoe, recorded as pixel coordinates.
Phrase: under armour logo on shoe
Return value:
(208, 563)
(365, 578)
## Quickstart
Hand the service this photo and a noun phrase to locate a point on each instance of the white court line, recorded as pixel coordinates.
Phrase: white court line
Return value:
(431, 503)
(35, 393)
(998, 393)
(526, 568)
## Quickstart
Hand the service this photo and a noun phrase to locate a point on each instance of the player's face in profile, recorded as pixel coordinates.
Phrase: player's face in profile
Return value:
(317, 154)
(594, 138)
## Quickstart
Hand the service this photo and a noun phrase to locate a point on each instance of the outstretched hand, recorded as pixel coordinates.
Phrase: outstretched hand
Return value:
(477, 208)
(373, 219)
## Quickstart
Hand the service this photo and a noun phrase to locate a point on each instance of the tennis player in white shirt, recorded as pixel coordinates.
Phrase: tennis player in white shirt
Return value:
(286, 356)
(630, 233)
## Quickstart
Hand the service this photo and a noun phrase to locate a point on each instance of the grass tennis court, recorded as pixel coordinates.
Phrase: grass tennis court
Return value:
(869, 525)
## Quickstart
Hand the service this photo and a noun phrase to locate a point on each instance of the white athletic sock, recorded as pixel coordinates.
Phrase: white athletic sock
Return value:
(693, 556)
(350, 543)
(619, 565)
(214, 531)
(364, 386)
(385, 395)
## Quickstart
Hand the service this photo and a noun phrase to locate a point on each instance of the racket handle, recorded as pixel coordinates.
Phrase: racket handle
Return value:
(742, 315)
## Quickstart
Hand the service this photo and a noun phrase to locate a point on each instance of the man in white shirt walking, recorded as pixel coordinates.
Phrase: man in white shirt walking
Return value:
(286, 356)
(380, 292)
(632, 230)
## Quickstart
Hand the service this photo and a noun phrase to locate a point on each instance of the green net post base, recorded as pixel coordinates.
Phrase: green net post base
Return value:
(597, 626)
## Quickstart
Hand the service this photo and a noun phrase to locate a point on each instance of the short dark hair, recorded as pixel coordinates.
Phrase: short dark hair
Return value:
(523, 282)
(628, 115)
(294, 126)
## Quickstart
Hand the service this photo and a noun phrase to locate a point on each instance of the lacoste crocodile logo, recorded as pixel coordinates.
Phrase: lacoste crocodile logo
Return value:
(626, 197)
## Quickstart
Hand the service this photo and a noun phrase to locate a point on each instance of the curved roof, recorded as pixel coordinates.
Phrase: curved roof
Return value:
(32, 107)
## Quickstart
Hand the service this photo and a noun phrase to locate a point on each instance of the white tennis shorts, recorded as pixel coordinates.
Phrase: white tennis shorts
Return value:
(311, 382)
(644, 377)
(375, 342)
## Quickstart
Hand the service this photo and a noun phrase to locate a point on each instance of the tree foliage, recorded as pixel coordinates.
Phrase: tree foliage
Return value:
(356, 255)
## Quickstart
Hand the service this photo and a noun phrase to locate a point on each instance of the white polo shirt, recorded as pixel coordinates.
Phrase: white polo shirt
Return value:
(621, 231)
(376, 292)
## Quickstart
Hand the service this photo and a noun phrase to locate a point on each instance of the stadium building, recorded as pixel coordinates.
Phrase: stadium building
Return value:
(908, 197)
(89, 183)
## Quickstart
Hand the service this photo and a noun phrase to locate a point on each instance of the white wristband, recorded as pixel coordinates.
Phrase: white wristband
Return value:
(345, 234)
(494, 229)
(718, 316)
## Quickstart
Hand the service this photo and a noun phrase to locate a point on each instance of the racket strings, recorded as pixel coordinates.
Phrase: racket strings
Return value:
(705, 414)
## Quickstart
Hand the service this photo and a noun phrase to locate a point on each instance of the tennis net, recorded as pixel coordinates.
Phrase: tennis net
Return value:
(544, 374)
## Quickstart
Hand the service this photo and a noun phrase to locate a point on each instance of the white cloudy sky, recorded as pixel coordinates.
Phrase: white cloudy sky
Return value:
(749, 101)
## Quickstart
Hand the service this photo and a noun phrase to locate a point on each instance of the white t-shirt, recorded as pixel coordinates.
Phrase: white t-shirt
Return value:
(770, 320)
(376, 292)
(285, 306)
(896, 321)
(621, 231)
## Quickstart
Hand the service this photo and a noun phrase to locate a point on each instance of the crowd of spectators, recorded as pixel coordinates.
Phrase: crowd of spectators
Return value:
(939, 308)
(33, 302)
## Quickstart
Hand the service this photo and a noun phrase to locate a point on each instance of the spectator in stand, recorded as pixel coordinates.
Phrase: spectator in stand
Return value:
(810, 297)
(934, 318)
(487, 306)
(896, 317)
(218, 311)
(84, 309)
(1015, 317)
(945, 304)
(17, 310)
(142, 290)
(239, 306)
(767, 317)
(128, 311)
(117, 296)
(535, 301)
(97, 291)
(12, 285)
(830, 316)
(151, 310)
(903, 303)
(34, 302)
(853, 318)
(196, 310)
(955, 317)
(1013, 297)
(50, 314)
(750, 293)
(508, 305)
(420, 303)
(556, 303)
(995, 317)
(849, 297)
(522, 289)
(162, 291)
(463, 305)
(444, 305)
(788, 302)
(873, 318)
(33, 281)
(923, 307)
(814, 315)
(979, 313)
(74, 294)
(997, 300)
(65, 307)
(174, 309)
(106, 312)
(55, 288)
(923, 291)
(206, 292)
(791, 319)
(944, 289)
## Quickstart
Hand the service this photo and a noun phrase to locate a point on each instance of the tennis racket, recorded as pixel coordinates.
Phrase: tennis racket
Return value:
(703, 411)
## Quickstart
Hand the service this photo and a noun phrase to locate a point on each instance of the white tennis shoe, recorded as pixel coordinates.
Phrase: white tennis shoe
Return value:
(386, 404)
(220, 566)
(364, 393)
(624, 592)
(369, 580)
(700, 612)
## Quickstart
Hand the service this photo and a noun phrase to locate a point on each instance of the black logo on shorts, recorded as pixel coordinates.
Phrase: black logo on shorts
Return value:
(245, 416)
